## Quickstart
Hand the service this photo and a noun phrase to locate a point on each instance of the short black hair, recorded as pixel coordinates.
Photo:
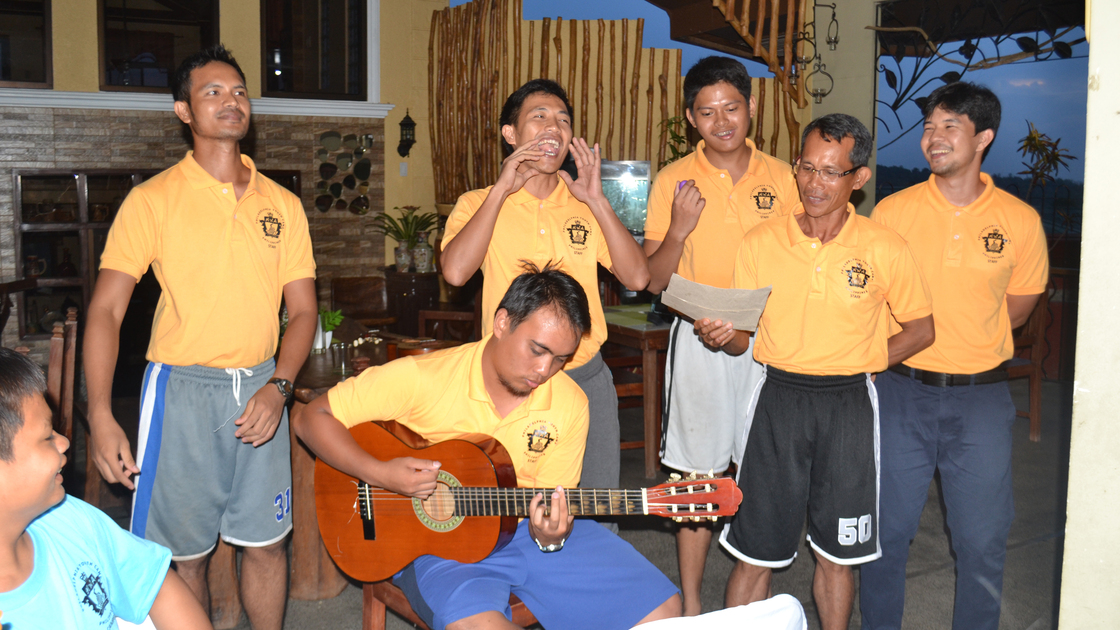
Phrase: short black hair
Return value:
(712, 70)
(980, 104)
(512, 107)
(20, 378)
(538, 288)
(181, 80)
(839, 126)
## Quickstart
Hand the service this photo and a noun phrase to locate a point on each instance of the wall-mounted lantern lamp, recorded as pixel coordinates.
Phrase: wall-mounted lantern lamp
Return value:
(408, 135)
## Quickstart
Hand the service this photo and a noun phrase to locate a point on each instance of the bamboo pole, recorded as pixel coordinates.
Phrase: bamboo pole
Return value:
(621, 106)
(794, 129)
(773, 43)
(779, 98)
(583, 96)
(610, 103)
(546, 26)
(436, 164)
(557, 40)
(573, 37)
(634, 90)
(664, 81)
(760, 116)
(650, 79)
(760, 17)
(517, 45)
(529, 63)
(599, 86)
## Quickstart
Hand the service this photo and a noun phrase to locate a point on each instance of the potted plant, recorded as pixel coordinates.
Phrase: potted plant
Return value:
(329, 320)
(405, 231)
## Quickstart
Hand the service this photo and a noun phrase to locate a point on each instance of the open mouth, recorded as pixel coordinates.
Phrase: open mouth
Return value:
(550, 146)
(725, 135)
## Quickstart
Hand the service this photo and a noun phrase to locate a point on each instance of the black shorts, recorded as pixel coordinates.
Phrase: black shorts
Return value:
(814, 440)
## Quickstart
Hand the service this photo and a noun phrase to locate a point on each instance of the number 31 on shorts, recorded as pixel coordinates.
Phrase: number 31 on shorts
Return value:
(853, 530)
(283, 503)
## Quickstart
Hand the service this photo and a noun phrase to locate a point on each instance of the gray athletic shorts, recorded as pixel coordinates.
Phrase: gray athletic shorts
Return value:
(707, 396)
(197, 481)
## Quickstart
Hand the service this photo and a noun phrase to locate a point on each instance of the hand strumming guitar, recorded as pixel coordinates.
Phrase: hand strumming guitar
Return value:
(409, 476)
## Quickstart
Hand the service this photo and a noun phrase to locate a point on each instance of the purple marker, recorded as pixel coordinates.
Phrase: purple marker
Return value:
(680, 185)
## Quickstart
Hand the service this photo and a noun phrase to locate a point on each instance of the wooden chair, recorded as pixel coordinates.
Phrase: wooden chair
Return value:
(379, 596)
(443, 322)
(363, 299)
(1031, 338)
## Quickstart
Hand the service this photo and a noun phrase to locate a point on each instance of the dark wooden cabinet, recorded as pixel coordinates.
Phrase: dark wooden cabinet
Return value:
(410, 293)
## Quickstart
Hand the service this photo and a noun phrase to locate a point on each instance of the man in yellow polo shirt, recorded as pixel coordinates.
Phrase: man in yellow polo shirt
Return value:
(948, 407)
(813, 433)
(508, 386)
(700, 207)
(537, 213)
(226, 244)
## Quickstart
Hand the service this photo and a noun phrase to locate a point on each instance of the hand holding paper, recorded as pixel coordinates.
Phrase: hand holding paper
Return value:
(741, 307)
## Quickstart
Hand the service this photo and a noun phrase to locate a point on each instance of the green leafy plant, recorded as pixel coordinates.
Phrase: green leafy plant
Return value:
(676, 131)
(405, 229)
(1045, 156)
(330, 319)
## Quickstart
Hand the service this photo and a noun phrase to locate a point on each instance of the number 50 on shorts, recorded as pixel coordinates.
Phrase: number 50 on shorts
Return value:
(853, 530)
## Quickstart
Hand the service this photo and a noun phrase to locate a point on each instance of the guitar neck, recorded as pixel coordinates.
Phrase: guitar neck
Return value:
(515, 501)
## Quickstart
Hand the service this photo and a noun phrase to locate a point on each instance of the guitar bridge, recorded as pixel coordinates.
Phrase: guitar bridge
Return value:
(365, 508)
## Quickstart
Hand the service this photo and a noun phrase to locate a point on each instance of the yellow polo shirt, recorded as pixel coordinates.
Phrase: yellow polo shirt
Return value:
(768, 189)
(441, 396)
(827, 312)
(222, 262)
(972, 257)
(560, 229)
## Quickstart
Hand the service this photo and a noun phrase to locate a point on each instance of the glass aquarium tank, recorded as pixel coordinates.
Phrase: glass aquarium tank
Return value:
(626, 185)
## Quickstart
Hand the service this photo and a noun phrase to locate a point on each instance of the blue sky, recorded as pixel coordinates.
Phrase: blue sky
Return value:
(1051, 94)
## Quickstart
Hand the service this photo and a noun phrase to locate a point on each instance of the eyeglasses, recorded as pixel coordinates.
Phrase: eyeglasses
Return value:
(827, 176)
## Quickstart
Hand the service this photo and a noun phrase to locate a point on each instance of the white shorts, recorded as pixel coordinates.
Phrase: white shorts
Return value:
(707, 395)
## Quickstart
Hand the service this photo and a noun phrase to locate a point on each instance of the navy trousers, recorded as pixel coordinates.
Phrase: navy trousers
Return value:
(965, 433)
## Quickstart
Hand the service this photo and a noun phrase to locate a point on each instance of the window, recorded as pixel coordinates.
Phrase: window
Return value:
(144, 41)
(25, 44)
(314, 48)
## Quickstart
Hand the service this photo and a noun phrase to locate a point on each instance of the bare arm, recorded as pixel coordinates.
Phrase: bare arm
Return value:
(1020, 307)
(665, 256)
(108, 444)
(916, 335)
(176, 607)
(628, 262)
(257, 424)
(464, 254)
(331, 442)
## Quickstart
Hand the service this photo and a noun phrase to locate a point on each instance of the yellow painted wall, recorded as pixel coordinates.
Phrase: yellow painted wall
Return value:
(74, 45)
(405, 25)
(239, 28)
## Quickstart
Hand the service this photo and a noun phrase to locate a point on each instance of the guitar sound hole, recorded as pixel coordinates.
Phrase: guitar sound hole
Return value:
(441, 505)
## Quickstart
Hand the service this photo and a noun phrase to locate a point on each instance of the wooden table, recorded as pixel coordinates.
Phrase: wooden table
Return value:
(627, 326)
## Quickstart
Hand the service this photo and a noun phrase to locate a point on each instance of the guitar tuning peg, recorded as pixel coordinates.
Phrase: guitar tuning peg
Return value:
(711, 473)
(692, 475)
(696, 519)
(675, 477)
(714, 518)
(679, 519)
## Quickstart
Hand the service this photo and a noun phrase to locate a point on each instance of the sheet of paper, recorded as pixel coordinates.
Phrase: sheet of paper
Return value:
(741, 307)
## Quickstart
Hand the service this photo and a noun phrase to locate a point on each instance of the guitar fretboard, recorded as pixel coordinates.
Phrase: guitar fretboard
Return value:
(515, 501)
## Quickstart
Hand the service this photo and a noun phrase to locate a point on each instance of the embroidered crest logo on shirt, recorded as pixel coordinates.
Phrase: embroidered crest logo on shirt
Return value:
(578, 232)
(994, 239)
(538, 437)
(90, 591)
(764, 200)
(272, 225)
(859, 275)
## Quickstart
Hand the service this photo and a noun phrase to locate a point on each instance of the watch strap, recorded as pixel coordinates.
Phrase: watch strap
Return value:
(550, 548)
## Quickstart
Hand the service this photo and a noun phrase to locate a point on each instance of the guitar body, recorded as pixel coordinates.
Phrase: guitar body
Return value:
(404, 529)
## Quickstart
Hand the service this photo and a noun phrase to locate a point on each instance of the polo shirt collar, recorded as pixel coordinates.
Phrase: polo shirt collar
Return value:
(558, 196)
(977, 207)
(539, 399)
(848, 236)
(199, 179)
(707, 169)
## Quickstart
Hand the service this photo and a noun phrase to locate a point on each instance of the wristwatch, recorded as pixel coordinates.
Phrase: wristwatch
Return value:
(550, 548)
(284, 385)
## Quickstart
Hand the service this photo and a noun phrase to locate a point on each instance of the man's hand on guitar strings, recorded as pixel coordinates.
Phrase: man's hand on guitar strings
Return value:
(409, 476)
(553, 528)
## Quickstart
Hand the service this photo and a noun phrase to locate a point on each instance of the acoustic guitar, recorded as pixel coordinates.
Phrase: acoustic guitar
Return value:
(372, 533)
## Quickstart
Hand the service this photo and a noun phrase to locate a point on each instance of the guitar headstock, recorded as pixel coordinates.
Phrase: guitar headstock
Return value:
(694, 498)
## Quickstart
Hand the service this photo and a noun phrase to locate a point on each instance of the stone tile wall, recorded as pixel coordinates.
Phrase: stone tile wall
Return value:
(44, 138)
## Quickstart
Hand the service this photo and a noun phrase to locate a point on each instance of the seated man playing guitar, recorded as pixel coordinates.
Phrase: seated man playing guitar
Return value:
(570, 574)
